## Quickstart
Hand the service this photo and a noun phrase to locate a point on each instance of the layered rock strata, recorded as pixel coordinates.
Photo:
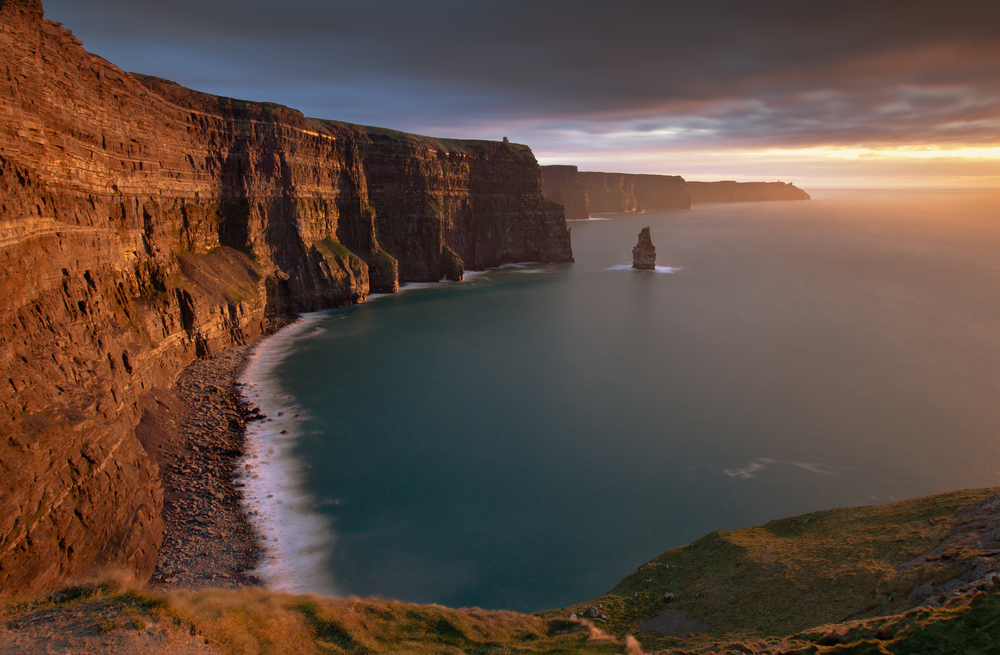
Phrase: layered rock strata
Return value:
(143, 225)
(644, 253)
(564, 185)
(586, 193)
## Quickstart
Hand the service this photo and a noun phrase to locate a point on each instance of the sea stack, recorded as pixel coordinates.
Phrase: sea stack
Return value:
(644, 254)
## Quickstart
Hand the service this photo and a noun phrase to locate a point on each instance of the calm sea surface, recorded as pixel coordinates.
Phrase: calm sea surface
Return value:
(527, 438)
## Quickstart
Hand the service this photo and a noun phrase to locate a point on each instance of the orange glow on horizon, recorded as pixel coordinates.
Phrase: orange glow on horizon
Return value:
(906, 152)
(958, 165)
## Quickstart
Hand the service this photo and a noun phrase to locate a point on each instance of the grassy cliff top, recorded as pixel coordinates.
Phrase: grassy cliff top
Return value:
(906, 577)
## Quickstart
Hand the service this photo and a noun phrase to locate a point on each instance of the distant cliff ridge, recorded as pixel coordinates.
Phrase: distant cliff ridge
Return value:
(143, 224)
(586, 193)
(743, 191)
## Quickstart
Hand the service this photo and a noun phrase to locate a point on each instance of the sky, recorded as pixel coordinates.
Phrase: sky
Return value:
(819, 93)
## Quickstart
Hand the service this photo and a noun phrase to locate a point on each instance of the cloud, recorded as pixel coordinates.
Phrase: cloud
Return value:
(683, 75)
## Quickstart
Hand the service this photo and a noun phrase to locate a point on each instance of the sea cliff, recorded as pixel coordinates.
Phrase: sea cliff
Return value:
(586, 193)
(729, 191)
(583, 193)
(143, 225)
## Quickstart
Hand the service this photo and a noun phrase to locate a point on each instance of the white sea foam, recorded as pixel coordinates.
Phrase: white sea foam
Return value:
(745, 472)
(761, 463)
(297, 542)
(470, 276)
(810, 467)
(659, 269)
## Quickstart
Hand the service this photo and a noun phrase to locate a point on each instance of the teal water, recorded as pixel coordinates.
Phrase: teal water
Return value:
(527, 438)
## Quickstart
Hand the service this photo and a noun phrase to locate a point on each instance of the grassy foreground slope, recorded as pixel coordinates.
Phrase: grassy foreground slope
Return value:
(829, 568)
(920, 575)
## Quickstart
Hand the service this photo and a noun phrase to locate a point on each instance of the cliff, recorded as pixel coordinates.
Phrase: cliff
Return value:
(586, 193)
(564, 185)
(744, 191)
(143, 225)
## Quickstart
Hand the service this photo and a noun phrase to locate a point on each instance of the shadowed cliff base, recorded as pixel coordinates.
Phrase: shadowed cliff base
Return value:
(916, 576)
(144, 225)
(586, 193)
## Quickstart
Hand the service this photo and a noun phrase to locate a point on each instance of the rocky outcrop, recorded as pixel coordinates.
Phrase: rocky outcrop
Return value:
(143, 225)
(644, 254)
(586, 193)
(729, 191)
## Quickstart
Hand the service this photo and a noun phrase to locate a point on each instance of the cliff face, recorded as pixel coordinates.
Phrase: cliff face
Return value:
(564, 185)
(143, 225)
(589, 193)
(744, 191)
(586, 193)
(625, 192)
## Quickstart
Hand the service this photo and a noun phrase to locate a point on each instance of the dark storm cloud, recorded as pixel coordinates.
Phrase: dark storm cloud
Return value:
(789, 73)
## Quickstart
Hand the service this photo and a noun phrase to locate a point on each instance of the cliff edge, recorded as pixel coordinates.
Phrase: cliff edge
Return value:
(143, 225)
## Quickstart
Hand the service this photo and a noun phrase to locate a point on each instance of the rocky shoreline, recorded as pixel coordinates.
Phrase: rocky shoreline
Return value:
(196, 433)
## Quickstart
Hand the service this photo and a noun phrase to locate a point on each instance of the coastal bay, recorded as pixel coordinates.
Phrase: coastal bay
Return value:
(523, 438)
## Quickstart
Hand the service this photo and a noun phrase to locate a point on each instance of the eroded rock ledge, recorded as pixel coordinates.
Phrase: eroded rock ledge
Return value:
(143, 225)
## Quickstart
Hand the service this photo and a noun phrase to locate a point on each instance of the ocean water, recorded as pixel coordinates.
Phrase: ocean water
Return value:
(528, 437)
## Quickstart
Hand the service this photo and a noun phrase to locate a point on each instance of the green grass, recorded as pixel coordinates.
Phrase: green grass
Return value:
(383, 260)
(222, 273)
(790, 574)
(823, 582)
(257, 621)
(333, 249)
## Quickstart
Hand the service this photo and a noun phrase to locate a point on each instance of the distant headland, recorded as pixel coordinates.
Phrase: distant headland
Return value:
(585, 193)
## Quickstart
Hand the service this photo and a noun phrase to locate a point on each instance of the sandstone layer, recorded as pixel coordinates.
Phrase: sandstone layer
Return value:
(584, 193)
(143, 225)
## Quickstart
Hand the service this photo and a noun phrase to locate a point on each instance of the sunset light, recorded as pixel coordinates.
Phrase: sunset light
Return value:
(499, 326)
(824, 94)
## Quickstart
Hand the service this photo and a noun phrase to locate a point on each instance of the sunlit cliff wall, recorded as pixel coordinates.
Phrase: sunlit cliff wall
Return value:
(143, 225)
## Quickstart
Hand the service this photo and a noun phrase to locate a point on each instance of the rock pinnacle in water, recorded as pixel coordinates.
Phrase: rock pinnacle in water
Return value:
(644, 254)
